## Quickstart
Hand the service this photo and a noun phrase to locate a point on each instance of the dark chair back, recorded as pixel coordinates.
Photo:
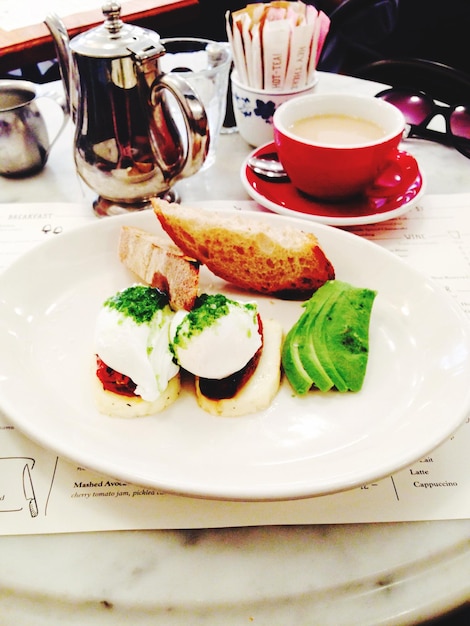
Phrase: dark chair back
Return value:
(442, 82)
(357, 29)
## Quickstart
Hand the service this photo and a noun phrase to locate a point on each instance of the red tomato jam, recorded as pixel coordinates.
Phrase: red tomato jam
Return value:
(114, 381)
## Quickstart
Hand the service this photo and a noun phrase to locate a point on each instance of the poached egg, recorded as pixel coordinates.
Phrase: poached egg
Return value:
(132, 336)
(217, 338)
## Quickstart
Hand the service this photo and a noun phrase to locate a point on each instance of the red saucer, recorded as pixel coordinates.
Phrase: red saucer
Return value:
(374, 206)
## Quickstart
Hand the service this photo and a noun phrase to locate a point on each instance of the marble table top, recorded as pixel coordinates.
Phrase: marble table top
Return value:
(341, 575)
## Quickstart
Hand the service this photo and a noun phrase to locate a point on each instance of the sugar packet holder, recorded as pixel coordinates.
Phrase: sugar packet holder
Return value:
(277, 48)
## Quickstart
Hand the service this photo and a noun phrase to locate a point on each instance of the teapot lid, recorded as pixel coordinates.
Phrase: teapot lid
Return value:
(114, 38)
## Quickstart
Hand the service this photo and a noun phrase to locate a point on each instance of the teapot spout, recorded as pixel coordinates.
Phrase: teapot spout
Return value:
(62, 46)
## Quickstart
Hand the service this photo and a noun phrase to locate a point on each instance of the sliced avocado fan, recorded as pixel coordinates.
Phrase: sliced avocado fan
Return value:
(328, 347)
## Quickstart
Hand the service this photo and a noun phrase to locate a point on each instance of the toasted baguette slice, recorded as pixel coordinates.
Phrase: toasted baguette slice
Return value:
(259, 391)
(252, 254)
(116, 405)
(161, 264)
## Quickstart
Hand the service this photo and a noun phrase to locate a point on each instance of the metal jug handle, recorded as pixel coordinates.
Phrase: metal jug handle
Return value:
(61, 101)
(195, 119)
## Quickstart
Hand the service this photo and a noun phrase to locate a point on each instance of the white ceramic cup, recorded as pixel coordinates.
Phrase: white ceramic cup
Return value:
(254, 109)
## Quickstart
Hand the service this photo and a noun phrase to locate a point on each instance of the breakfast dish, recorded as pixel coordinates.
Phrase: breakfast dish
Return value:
(145, 340)
(284, 199)
(230, 352)
(300, 446)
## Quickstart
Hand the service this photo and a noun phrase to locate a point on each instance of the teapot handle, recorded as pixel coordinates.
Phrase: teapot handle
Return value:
(195, 119)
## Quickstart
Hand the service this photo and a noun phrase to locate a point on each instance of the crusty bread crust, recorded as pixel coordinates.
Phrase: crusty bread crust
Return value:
(261, 388)
(161, 264)
(251, 254)
(116, 405)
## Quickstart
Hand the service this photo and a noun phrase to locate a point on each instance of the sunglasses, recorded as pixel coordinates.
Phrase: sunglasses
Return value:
(419, 109)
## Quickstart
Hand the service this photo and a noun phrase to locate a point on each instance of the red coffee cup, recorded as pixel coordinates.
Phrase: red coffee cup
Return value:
(334, 146)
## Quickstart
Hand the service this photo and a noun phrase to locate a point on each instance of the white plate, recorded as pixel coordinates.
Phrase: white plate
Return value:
(418, 373)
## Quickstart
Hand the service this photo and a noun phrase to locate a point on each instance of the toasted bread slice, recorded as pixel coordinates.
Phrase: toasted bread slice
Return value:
(117, 405)
(252, 254)
(259, 391)
(161, 264)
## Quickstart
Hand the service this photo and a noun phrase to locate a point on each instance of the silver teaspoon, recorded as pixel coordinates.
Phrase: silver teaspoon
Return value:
(268, 167)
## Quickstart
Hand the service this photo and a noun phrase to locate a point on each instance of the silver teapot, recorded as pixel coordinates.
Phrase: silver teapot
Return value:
(127, 147)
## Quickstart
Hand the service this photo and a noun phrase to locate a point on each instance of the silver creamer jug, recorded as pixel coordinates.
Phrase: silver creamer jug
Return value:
(127, 146)
(24, 138)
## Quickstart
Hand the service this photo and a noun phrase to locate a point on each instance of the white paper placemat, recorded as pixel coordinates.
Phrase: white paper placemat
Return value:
(43, 493)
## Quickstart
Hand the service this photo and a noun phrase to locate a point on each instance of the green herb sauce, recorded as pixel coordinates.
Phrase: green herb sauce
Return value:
(138, 302)
(207, 310)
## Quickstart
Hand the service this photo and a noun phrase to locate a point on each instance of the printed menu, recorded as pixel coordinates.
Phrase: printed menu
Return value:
(41, 492)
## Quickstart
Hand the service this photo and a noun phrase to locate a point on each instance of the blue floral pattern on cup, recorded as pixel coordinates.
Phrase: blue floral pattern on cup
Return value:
(262, 109)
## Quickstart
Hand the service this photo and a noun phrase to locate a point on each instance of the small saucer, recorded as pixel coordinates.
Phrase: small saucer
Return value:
(371, 208)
